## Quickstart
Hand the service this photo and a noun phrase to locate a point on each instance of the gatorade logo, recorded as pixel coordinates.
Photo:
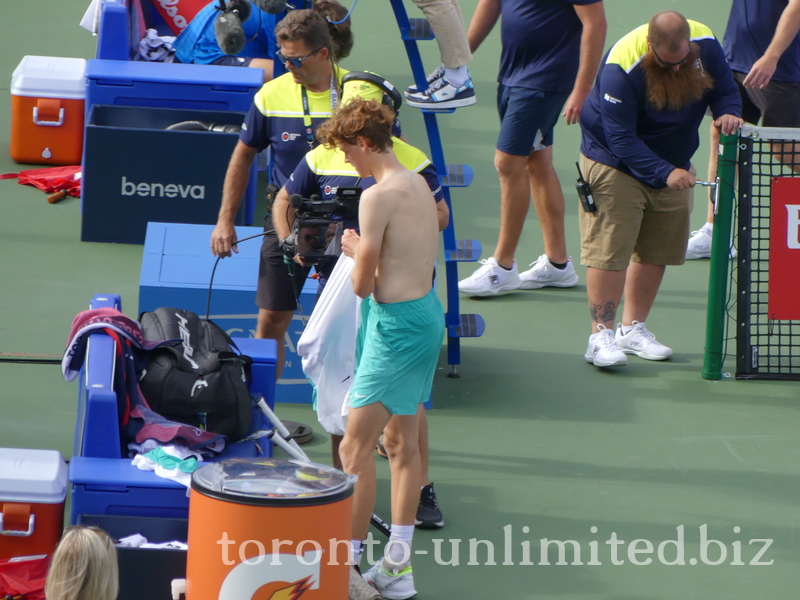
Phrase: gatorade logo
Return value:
(171, 8)
(159, 190)
(289, 577)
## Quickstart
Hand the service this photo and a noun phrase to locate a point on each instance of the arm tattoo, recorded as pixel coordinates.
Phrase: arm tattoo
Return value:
(602, 313)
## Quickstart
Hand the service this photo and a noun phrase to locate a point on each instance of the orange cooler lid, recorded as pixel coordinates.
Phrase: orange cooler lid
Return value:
(272, 482)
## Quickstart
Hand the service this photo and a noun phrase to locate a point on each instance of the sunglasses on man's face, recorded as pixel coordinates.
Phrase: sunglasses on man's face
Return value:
(670, 64)
(296, 62)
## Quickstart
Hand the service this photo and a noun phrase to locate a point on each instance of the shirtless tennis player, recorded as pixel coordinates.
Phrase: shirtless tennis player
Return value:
(401, 332)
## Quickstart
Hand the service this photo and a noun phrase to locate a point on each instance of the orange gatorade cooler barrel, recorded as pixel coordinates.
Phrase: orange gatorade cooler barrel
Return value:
(269, 529)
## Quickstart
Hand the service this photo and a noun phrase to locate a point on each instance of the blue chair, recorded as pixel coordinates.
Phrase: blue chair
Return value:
(102, 478)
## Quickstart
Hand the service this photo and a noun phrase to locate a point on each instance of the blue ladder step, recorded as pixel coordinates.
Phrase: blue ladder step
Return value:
(469, 326)
(465, 251)
(420, 30)
(442, 111)
(458, 176)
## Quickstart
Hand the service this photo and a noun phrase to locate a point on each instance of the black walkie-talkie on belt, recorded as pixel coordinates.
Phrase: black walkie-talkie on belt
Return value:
(585, 192)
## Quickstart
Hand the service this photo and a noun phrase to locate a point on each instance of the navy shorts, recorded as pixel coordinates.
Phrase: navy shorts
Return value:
(527, 118)
(233, 61)
(778, 103)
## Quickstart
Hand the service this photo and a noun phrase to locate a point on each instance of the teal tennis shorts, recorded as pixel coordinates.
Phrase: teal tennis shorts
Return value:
(396, 353)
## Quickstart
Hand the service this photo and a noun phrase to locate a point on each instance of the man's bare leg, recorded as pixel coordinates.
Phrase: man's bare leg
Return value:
(548, 200)
(424, 449)
(336, 442)
(273, 325)
(400, 438)
(604, 289)
(364, 426)
(787, 153)
(514, 203)
(266, 65)
(641, 287)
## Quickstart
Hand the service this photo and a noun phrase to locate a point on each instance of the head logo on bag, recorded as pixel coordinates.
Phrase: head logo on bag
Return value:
(202, 380)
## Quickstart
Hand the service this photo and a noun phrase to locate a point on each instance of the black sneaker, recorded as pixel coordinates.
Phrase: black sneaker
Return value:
(428, 514)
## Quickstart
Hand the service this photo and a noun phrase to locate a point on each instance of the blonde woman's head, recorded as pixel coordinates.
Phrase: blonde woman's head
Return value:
(84, 566)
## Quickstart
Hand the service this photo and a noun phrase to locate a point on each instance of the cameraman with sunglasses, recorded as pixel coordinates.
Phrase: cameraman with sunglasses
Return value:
(284, 117)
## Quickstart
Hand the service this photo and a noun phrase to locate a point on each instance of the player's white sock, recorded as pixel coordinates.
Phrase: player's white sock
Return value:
(398, 550)
(357, 548)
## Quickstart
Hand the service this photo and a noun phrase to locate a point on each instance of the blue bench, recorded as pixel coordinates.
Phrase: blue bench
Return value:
(102, 479)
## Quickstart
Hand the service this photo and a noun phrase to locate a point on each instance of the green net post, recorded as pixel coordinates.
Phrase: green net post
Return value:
(720, 251)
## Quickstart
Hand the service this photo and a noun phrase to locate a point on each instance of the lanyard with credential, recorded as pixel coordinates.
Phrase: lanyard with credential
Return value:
(307, 111)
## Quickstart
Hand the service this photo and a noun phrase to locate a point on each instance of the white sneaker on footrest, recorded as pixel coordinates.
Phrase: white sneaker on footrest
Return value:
(442, 95)
(437, 74)
(641, 342)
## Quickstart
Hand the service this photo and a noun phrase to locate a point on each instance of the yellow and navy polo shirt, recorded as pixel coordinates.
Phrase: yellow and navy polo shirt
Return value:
(276, 119)
(622, 130)
(324, 170)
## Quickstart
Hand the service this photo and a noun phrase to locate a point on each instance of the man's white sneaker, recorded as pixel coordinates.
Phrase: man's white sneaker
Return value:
(544, 274)
(699, 245)
(490, 279)
(603, 350)
(641, 342)
(393, 584)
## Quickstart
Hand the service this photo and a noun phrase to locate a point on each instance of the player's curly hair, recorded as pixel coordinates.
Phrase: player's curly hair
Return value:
(368, 119)
(341, 34)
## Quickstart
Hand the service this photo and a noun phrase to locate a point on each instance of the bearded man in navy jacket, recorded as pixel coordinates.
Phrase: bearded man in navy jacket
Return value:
(640, 130)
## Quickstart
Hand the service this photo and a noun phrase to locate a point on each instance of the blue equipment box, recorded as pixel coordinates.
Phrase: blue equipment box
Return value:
(135, 171)
(176, 271)
(192, 87)
(197, 87)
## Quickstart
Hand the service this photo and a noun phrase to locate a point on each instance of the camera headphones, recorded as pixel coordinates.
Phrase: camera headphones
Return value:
(385, 86)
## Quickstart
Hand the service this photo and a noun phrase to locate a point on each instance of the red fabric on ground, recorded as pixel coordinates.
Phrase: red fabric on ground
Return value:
(51, 179)
(24, 577)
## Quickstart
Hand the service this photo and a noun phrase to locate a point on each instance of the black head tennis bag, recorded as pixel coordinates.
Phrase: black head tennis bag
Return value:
(200, 381)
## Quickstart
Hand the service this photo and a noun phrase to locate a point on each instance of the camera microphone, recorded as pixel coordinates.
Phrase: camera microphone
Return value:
(228, 25)
(295, 200)
(272, 7)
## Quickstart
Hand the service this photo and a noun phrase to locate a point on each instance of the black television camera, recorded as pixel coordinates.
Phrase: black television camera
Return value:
(314, 229)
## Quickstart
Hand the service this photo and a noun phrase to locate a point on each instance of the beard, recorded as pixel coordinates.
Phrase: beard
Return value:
(673, 90)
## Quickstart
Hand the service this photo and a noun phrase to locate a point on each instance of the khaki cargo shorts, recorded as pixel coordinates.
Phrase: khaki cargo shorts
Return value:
(633, 221)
